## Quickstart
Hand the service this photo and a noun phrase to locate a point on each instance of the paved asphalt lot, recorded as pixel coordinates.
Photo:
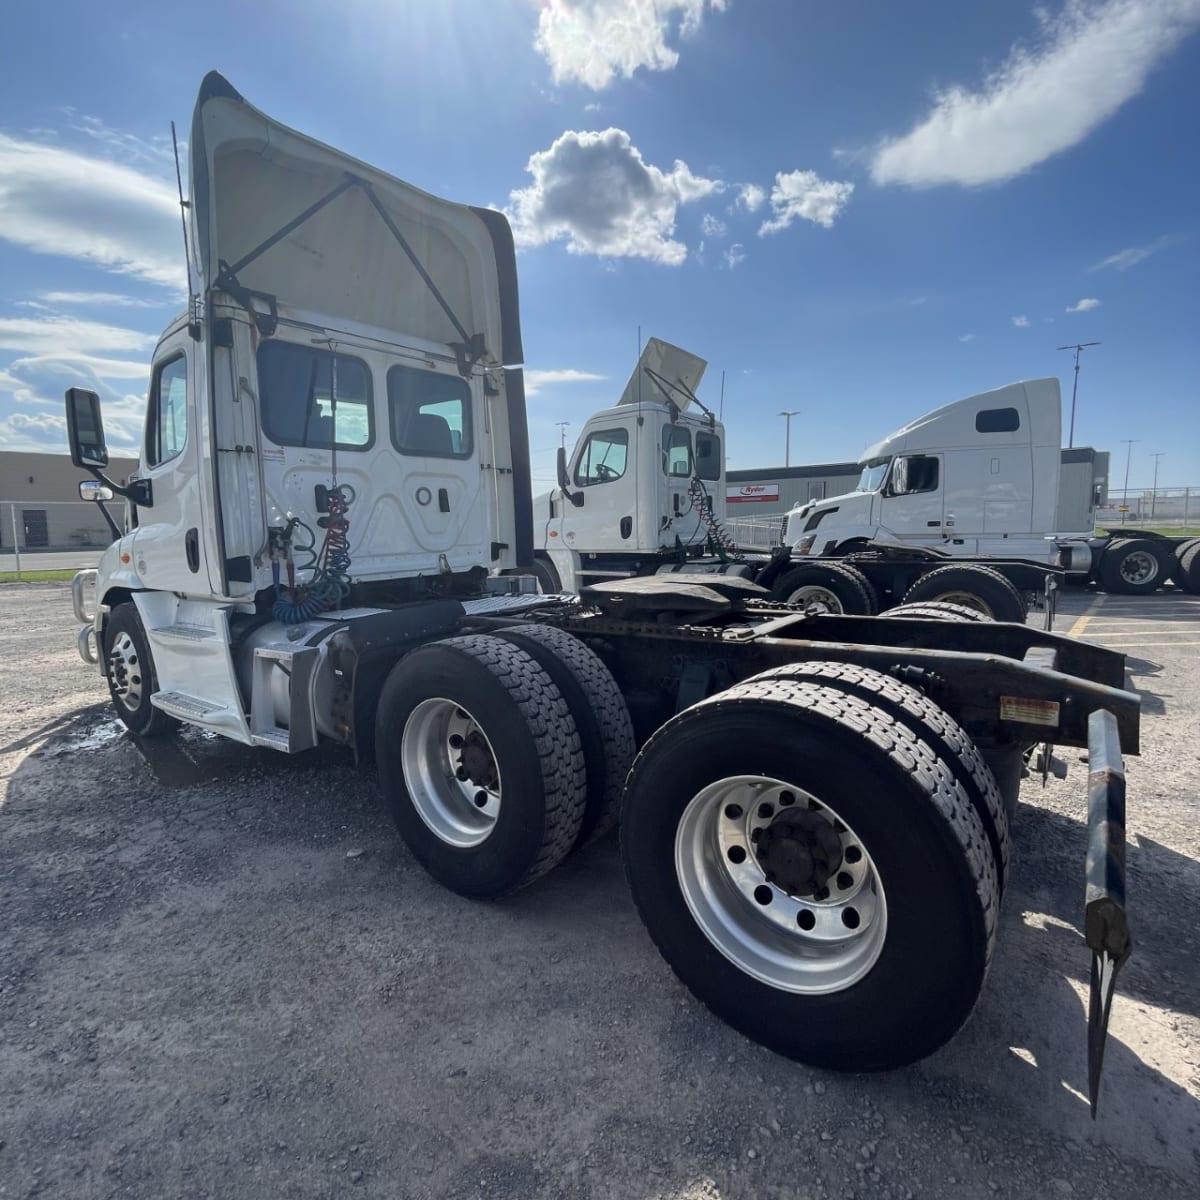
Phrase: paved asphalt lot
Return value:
(222, 975)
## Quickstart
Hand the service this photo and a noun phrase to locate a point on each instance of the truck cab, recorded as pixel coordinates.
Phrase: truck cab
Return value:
(644, 484)
(977, 477)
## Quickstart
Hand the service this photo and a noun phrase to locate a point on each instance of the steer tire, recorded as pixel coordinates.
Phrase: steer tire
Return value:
(927, 721)
(918, 973)
(1181, 548)
(532, 742)
(935, 610)
(601, 717)
(1134, 566)
(981, 588)
(840, 586)
(129, 671)
(1189, 569)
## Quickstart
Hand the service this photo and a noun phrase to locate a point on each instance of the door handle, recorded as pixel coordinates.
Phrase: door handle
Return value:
(933, 524)
(191, 547)
(443, 500)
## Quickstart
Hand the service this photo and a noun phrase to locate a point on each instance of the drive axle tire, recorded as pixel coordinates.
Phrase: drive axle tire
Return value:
(129, 670)
(480, 764)
(547, 576)
(814, 872)
(839, 587)
(1178, 573)
(601, 717)
(1189, 570)
(935, 610)
(932, 724)
(1133, 567)
(980, 588)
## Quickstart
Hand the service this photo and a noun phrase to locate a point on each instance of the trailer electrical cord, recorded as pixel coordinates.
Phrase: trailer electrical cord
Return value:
(716, 531)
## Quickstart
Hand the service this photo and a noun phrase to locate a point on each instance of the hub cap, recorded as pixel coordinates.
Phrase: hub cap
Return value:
(815, 596)
(1139, 567)
(450, 772)
(125, 672)
(780, 885)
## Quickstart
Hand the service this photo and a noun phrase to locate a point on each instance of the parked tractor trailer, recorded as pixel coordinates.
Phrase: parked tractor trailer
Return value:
(332, 543)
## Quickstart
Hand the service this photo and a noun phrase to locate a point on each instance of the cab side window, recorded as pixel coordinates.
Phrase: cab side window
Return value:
(166, 414)
(676, 451)
(914, 473)
(603, 457)
(708, 456)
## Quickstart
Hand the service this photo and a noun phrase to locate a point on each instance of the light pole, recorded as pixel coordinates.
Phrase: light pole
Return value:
(1154, 489)
(787, 452)
(1128, 451)
(1078, 348)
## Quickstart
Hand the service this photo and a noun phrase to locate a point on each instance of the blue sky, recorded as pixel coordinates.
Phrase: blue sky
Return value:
(859, 210)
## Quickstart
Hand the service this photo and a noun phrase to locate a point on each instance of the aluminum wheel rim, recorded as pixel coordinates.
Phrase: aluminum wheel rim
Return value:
(815, 594)
(125, 672)
(967, 600)
(436, 749)
(1139, 567)
(757, 925)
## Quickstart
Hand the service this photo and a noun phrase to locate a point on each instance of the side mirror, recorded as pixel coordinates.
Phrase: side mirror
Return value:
(85, 430)
(564, 480)
(91, 489)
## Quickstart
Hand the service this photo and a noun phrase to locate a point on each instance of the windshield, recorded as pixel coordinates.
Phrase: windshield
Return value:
(872, 475)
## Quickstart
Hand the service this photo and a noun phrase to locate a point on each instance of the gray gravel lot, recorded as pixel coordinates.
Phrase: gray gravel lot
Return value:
(222, 975)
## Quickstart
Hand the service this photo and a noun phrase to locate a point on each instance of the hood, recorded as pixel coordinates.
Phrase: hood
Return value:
(664, 372)
(278, 218)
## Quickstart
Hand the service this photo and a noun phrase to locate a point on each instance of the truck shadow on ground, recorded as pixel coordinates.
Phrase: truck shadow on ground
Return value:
(1138, 669)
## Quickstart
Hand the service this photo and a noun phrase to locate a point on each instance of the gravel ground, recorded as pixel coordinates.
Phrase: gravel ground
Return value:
(222, 975)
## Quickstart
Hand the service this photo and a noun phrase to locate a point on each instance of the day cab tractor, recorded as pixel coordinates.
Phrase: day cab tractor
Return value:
(329, 541)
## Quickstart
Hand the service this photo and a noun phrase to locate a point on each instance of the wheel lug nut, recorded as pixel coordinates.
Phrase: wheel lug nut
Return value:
(461, 774)
(481, 799)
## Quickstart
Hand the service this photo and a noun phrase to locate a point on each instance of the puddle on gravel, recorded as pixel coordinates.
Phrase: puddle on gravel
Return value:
(96, 737)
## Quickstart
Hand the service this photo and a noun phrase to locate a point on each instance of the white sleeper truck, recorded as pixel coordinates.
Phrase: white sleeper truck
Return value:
(987, 476)
(329, 541)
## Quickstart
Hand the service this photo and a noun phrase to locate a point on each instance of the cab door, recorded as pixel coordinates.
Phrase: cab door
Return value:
(168, 547)
(912, 500)
(604, 473)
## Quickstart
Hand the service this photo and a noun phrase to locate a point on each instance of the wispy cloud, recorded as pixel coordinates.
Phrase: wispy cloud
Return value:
(57, 201)
(591, 44)
(1085, 305)
(804, 195)
(100, 300)
(712, 226)
(966, 337)
(70, 337)
(1021, 322)
(1131, 255)
(751, 197)
(735, 255)
(1046, 97)
(535, 381)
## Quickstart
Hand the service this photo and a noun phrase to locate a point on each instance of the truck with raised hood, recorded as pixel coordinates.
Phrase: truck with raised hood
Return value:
(330, 542)
(643, 493)
(988, 476)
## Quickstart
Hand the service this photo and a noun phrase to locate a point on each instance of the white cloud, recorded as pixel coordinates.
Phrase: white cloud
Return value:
(536, 380)
(1131, 255)
(591, 41)
(751, 197)
(806, 195)
(1085, 305)
(735, 255)
(56, 201)
(1021, 322)
(597, 192)
(966, 337)
(66, 335)
(95, 300)
(712, 226)
(1086, 63)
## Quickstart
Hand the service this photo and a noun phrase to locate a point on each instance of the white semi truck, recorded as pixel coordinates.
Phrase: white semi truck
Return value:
(331, 543)
(987, 476)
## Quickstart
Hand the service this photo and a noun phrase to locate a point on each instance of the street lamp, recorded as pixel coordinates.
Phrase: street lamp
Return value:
(787, 453)
(1154, 489)
(1128, 451)
(1078, 348)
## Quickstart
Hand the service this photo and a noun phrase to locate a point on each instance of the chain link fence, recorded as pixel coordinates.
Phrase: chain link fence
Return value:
(1169, 508)
(53, 535)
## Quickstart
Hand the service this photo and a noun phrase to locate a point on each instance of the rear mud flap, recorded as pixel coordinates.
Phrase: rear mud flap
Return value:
(1106, 923)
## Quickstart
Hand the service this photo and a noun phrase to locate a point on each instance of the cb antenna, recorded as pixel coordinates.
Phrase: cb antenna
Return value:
(193, 324)
(1079, 348)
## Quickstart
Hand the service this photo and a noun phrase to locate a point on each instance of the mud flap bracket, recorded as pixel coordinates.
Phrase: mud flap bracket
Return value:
(1106, 923)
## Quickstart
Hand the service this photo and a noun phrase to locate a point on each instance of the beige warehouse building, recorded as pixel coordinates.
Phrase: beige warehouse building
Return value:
(40, 505)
